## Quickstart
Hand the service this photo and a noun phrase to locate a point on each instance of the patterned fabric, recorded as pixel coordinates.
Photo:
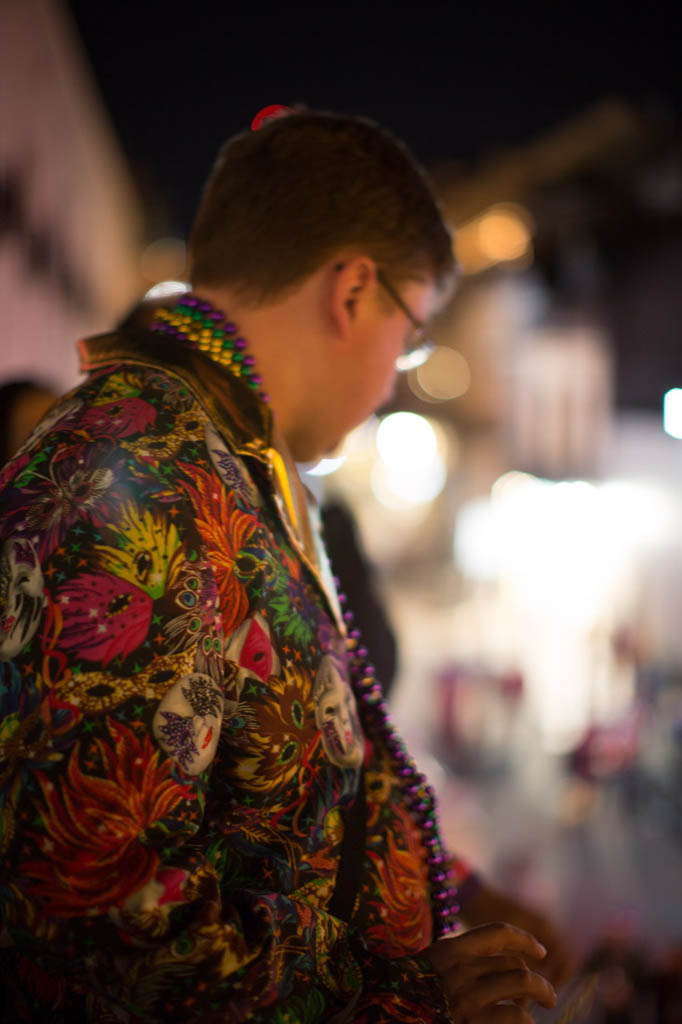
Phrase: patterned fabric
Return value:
(178, 734)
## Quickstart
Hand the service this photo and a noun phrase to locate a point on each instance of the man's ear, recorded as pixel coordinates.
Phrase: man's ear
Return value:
(352, 281)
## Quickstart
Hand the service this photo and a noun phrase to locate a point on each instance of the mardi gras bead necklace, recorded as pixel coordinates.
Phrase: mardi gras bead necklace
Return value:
(203, 328)
(419, 796)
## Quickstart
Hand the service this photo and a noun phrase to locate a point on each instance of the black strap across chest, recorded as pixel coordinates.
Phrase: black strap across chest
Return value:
(352, 852)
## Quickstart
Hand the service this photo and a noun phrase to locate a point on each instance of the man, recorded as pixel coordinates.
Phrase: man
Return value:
(207, 814)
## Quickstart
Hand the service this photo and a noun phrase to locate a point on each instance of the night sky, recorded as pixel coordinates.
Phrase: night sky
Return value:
(457, 82)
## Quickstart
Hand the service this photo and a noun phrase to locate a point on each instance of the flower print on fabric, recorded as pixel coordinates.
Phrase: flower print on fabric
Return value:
(225, 530)
(34, 733)
(16, 701)
(294, 603)
(13, 468)
(34, 722)
(402, 917)
(229, 468)
(88, 819)
(21, 595)
(76, 484)
(250, 653)
(122, 383)
(146, 912)
(336, 716)
(118, 418)
(187, 722)
(146, 550)
(103, 616)
(171, 793)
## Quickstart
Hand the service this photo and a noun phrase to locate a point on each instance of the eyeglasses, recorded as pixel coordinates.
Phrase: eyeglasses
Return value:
(417, 347)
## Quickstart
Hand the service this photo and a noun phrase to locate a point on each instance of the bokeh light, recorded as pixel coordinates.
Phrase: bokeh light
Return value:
(411, 468)
(326, 466)
(445, 376)
(563, 557)
(672, 412)
(501, 234)
(165, 288)
(405, 437)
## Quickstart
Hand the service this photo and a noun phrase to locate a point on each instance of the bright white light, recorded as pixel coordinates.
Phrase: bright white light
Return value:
(361, 440)
(411, 360)
(478, 539)
(410, 470)
(356, 448)
(511, 483)
(672, 412)
(564, 557)
(405, 437)
(636, 515)
(165, 288)
(408, 485)
(326, 466)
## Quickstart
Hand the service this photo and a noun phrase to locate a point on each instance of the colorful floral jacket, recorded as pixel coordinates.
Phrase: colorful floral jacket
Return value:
(179, 740)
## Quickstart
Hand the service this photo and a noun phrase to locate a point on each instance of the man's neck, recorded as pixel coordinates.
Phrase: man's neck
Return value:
(283, 336)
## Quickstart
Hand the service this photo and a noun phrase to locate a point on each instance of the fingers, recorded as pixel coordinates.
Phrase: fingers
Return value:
(485, 967)
(467, 973)
(495, 1015)
(559, 967)
(485, 940)
(560, 963)
(517, 985)
(488, 989)
(492, 964)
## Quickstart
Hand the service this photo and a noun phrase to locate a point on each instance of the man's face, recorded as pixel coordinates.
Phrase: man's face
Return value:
(363, 378)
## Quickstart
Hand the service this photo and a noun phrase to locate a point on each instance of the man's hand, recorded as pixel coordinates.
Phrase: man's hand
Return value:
(485, 976)
(490, 905)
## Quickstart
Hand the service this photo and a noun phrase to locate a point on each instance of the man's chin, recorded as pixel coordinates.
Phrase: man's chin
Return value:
(335, 451)
(310, 455)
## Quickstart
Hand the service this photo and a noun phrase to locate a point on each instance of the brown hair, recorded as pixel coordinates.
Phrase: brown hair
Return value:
(283, 199)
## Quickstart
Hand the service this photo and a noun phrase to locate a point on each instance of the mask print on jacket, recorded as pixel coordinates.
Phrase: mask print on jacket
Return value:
(187, 722)
(249, 653)
(336, 716)
(21, 595)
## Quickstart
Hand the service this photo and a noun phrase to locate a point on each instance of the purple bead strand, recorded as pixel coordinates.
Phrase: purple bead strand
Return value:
(420, 797)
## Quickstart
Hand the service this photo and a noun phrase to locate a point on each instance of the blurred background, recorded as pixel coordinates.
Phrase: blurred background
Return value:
(517, 505)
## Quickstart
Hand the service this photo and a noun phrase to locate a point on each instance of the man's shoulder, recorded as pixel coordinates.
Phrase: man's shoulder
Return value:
(219, 397)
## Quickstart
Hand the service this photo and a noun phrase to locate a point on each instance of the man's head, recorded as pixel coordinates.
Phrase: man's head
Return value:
(283, 200)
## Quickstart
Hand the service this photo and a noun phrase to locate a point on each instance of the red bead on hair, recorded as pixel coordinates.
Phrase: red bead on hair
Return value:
(268, 113)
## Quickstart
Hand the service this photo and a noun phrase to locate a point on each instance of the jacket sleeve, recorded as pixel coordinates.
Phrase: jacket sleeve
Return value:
(124, 889)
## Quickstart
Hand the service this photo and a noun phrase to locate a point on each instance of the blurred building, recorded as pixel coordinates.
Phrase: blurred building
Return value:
(69, 216)
(536, 433)
(584, 226)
